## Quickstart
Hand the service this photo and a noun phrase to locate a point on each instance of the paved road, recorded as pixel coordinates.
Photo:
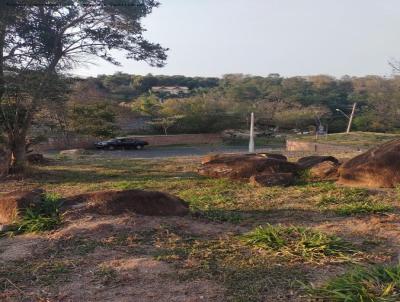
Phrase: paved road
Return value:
(178, 151)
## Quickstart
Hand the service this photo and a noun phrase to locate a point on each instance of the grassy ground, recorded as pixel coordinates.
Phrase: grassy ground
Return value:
(240, 243)
(354, 139)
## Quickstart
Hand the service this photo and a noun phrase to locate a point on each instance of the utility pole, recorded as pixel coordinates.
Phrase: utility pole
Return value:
(351, 118)
(251, 142)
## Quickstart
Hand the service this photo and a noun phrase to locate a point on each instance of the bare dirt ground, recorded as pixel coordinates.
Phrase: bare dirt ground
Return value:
(200, 257)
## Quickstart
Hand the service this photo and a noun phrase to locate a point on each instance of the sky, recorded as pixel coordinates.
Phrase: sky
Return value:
(259, 37)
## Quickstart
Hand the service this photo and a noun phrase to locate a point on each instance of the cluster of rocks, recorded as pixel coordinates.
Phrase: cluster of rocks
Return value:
(268, 169)
(378, 167)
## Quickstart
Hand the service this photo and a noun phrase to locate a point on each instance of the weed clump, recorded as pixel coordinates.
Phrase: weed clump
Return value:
(376, 284)
(301, 243)
(352, 201)
(44, 216)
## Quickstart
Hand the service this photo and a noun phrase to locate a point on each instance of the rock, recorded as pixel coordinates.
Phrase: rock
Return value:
(14, 203)
(273, 156)
(379, 167)
(326, 170)
(275, 179)
(5, 159)
(151, 203)
(209, 158)
(74, 152)
(36, 159)
(244, 166)
(310, 161)
(212, 157)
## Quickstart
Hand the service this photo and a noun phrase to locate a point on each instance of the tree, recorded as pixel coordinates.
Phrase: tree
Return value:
(166, 122)
(96, 120)
(148, 105)
(52, 38)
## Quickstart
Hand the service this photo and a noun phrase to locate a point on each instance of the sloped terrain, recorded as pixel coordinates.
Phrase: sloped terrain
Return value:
(205, 255)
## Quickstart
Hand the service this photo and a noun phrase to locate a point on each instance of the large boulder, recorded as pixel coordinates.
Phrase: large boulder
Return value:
(13, 204)
(311, 161)
(273, 156)
(151, 203)
(208, 158)
(272, 179)
(379, 167)
(244, 166)
(326, 170)
(5, 159)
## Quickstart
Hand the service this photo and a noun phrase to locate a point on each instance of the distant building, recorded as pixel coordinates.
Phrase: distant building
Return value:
(170, 90)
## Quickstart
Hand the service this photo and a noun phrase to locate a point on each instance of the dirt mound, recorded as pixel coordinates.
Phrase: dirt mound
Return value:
(13, 203)
(245, 166)
(378, 167)
(151, 203)
(311, 161)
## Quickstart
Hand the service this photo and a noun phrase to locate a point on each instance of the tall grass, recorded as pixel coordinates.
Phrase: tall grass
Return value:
(376, 284)
(298, 242)
(44, 216)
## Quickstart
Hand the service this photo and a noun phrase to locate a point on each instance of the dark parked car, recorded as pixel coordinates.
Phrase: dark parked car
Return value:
(121, 143)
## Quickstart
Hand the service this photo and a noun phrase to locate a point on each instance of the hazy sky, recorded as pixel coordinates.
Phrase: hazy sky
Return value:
(290, 37)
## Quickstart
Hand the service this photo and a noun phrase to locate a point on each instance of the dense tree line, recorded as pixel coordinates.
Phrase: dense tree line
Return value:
(279, 102)
(124, 87)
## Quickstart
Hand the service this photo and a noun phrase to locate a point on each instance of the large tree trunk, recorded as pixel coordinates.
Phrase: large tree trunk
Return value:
(18, 154)
(2, 39)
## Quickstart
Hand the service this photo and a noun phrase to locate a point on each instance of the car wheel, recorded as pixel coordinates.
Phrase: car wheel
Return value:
(111, 148)
(139, 147)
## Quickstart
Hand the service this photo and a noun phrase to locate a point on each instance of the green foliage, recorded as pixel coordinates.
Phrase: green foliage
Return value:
(217, 104)
(148, 105)
(45, 216)
(299, 242)
(97, 120)
(374, 284)
(349, 201)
